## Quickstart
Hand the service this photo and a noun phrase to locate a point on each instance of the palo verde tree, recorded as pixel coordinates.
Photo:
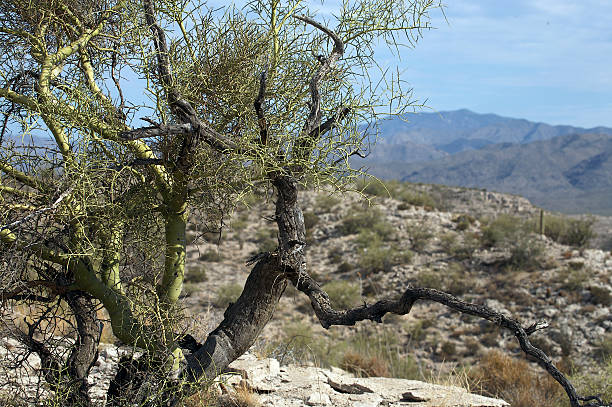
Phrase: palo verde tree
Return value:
(121, 118)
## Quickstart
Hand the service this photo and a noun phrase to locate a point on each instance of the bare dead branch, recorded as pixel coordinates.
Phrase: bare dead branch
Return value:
(328, 316)
(259, 109)
(156, 131)
(203, 132)
(314, 117)
(17, 223)
(356, 152)
(17, 293)
(328, 124)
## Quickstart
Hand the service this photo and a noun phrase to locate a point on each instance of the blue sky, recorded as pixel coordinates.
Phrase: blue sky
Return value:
(542, 60)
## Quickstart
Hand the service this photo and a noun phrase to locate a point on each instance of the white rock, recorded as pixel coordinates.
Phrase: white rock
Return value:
(318, 399)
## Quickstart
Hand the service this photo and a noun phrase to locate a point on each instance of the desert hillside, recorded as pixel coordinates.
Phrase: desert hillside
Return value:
(478, 245)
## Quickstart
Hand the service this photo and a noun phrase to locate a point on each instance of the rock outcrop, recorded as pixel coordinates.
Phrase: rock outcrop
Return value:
(297, 386)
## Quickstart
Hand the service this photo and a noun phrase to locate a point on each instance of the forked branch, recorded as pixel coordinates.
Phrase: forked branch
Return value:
(314, 117)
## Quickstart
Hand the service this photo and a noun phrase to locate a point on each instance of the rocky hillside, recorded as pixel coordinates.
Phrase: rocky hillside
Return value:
(475, 244)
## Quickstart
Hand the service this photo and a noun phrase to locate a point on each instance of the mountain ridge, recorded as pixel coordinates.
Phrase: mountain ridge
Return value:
(562, 168)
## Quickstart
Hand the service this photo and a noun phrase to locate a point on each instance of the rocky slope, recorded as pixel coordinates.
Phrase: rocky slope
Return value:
(447, 238)
(436, 242)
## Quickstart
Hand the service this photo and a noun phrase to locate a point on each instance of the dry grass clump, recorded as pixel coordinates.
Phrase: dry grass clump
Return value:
(241, 397)
(203, 398)
(364, 366)
(512, 380)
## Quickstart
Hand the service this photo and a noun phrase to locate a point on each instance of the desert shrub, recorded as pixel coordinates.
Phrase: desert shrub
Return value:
(416, 330)
(343, 294)
(202, 398)
(210, 255)
(310, 219)
(371, 220)
(414, 198)
(190, 238)
(464, 221)
(457, 281)
(472, 347)
(190, 289)
(377, 257)
(431, 279)
(598, 381)
(196, 275)
(448, 350)
(603, 349)
(373, 187)
(465, 249)
(572, 280)
(363, 366)
(568, 231)
(325, 203)
(525, 253)
(298, 335)
(501, 230)
(512, 380)
(384, 345)
(227, 294)
(335, 255)
(601, 295)
(452, 280)
(241, 397)
(266, 240)
(344, 267)
(420, 235)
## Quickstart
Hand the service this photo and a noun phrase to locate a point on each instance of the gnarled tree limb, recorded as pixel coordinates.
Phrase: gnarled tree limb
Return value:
(328, 316)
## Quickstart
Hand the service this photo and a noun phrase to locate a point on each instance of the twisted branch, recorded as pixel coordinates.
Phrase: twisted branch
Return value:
(328, 316)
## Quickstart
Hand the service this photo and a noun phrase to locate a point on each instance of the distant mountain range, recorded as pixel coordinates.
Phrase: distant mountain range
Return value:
(563, 168)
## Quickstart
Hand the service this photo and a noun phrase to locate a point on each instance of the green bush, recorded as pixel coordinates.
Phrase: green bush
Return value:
(414, 198)
(373, 187)
(420, 235)
(429, 278)
(502, 230)
(601, 295)
(525, 253)
(266, 240)
(596, 382)
(343, 294)
(568, 231)
(196, 275)
(384, 345)
(452, 280)
(210, 255)
(464, 221)
(603, 349)
(369, 220)
(325, 203)
(344, 267)
(227, 294)
(376, 257)
(310, 220)
(572, 280)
